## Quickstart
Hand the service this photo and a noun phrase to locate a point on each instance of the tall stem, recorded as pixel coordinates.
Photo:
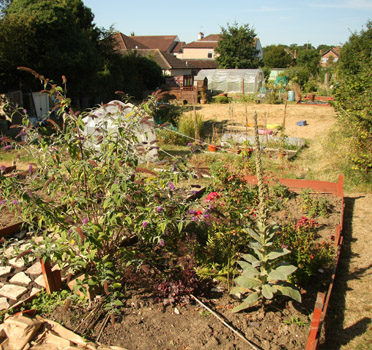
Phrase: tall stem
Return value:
(261, 187)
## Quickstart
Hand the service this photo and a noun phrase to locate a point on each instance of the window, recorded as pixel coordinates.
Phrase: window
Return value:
(210, 54)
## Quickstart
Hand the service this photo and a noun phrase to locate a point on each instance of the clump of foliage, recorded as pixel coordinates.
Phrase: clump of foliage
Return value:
(307, 252)
(353, 105)
(237, 48)
(184, 131)
(314, 206)
(221, 99)
(96, 207)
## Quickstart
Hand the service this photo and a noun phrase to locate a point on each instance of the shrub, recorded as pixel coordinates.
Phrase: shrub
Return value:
(95, 206)
(186, 125)
(307, 253)
(221, 99)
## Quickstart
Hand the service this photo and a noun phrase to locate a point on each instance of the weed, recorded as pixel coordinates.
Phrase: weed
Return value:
(297, 321)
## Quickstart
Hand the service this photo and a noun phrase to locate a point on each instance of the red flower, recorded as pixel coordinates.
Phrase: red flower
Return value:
(211, 197)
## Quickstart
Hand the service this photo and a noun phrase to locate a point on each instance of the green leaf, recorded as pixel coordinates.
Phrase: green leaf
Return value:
(248, 302)
(250, 258)
(247, 282)
(277, 253)
(254, 235)
(180, 226)
(268, 291)
(237, 290)
(248, 269)
(281, 273)
(289, 291)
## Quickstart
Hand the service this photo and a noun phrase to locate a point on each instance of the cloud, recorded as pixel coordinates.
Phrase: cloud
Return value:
(348, 4)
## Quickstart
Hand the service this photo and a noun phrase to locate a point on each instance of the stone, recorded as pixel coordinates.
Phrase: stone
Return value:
(9, 251)
(35, 269)
(12, 291)
(17, 263)
(4, 305)
(20, 278)
(4, 270)
(25, 246)
(34, 291)
(40, 281)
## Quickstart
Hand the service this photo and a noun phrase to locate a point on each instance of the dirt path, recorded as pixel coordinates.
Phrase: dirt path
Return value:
(348, 324)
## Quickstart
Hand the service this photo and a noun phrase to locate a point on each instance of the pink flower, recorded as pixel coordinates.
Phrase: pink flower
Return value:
(211, 197)
(162, 243)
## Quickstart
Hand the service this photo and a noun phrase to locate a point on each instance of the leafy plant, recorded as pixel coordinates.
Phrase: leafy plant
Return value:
(221, 99)
(297, 321)
(264, 274)
(307, 253)
(314, 206)
(46, 303)
(88, 195)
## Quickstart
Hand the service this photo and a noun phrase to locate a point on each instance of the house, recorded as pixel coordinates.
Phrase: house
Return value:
(166, 43)
(331, 55)
(204, 48)
(179, 73)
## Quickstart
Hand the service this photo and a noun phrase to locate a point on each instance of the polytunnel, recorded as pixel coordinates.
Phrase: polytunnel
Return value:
(247, 81)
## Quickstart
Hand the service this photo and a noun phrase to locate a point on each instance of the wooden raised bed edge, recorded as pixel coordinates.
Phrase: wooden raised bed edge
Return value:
(322, 300)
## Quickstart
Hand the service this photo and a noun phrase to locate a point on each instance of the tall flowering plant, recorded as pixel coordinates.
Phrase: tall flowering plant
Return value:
(95, 206)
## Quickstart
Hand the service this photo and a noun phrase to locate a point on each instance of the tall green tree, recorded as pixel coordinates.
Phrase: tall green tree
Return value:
(53, 37)
(237, 49)
(310, 59)
(4, 4)
(354, 104)
(276, 56)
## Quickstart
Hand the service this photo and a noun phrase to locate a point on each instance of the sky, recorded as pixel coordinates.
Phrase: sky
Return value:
(329, 22)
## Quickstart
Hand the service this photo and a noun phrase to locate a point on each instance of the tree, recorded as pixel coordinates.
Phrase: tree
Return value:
(276, 56)
(354, 103)
(309, 59)
(4, 4)
(237, 48)
(52, 37)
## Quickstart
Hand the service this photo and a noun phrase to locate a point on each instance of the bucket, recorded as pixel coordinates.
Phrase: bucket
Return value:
(302, 123)
(291, 95)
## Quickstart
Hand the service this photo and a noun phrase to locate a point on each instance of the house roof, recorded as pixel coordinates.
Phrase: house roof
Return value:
(202, 64)
(164, 59)
(211, 37)
(336, 50)
(209, 42)
(124, 42)
(179, 47)
(201, 45)
(161, 42)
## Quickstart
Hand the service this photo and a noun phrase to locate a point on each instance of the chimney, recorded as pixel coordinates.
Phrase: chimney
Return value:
(200, 36)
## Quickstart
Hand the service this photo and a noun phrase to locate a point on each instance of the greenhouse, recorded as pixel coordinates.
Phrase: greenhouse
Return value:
(247, 81)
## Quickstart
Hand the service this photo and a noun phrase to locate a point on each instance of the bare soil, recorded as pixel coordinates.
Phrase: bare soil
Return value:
(319, 118)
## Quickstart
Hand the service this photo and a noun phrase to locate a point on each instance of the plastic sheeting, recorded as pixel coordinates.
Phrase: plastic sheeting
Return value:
(107, 116)
(230, 138)
(233, 80)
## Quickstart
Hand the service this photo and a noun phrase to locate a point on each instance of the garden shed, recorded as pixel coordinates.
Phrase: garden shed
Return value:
(247, 81)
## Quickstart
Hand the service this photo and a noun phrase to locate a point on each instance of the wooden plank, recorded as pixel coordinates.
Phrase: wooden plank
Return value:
(50, 286)
(315, 326)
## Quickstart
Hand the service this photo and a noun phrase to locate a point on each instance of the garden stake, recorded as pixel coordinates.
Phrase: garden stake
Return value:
(103, 326)
(226, 324)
